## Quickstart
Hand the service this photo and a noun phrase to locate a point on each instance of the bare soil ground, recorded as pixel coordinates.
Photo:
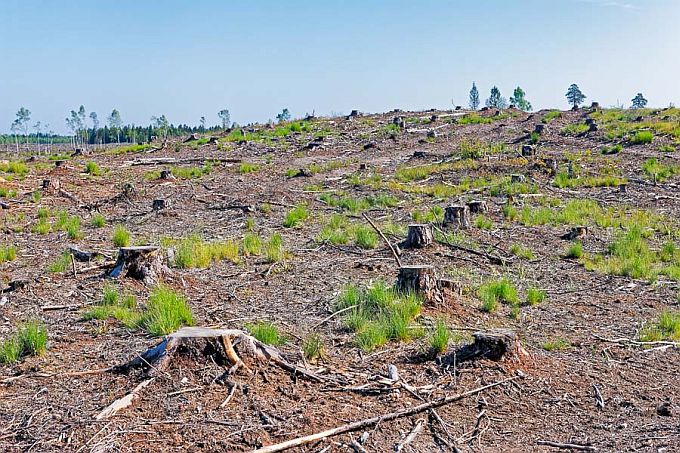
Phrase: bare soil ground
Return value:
(44, 408)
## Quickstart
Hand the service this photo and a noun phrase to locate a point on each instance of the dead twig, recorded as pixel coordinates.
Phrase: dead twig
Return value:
(550, 443)
(394, 252)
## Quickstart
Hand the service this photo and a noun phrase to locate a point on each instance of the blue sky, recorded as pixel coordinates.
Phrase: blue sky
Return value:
(188, 59)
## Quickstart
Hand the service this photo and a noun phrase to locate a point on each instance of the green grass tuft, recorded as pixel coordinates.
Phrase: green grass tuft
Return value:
(166, 312)
(121, 236)
(266, 332)
(30, 339)
(491, 293)
(439, 341)
(296, 216)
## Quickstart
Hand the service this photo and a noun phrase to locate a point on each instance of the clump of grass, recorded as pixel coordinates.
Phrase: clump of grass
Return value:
(557, 344)
(666, 328)
(534, 137)
(194, 252)
(575, 129)
(379, 313)
(551, 115)
(8, 253)
(535, 296)
(30, 339)
(15, 167)
(35, 196)
(336, 230)
(41, 227)
(61, 264)
(252, 244)
(657, 171)
(642, 138)
(297, 215)
(365, 237)
(98, 220)
(439, 341)
(91, 168)
(121, 236)
(483, 222)
(313, 348)
(274, 250)
(266, 332)
(615, 149)
(166, 312)
(491, 293)
(522, 252)
(667, 148)
(7, 193)
(113, 305)
(575, 251)
(247, 167)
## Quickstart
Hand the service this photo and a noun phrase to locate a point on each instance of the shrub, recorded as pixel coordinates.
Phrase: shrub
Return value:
(92, 168)
(30, 339)
(439, 341)
(642, 138)
(121, 236)
(297, 215)
(497, 291)
(98, 220)
(166, 312)
(535, 296)
(266, 332)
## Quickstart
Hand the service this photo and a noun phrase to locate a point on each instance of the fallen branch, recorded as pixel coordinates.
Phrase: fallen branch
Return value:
(394, 252)
(123, 402)
(566, 446)
(412, 435)
(172, 160)
(378, 419)
(332, 315)
(493, 258)
(630, 342)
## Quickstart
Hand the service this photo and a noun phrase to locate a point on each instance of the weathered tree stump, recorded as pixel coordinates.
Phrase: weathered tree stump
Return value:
(167, 174)
(419, 236)
(433, 118)
(452, 287)
(527, 150)
(592, 126)
(370, 145)
(141, 263)
(419, 154)
(363, 166)
(399, 121)
(495, 344)
(539, 128)
(421, 280)
(595, 105)
(551, 165)
(213, 140)
(575, 233)
(59, 163)
(570, 170)
(160, 204)
(432, 134)
(354, 113)
(514, 179)
(456, 216)
(623, 188)
(77, 152)
(477, 206)
(191, 138)
(51, 185)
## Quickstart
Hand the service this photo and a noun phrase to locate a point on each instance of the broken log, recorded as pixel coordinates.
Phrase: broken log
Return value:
(575, 232)
(160, 204)
(355, 426)
(81, 255)
(141, 263)
(187, 160)
(421, 280)
(456, 216)
(419, 236)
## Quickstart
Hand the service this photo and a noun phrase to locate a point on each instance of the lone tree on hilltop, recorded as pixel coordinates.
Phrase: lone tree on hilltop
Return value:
(283, 116)
(225, 117)
(474, 97)
(21, 123)
(496, 100)
(575, 96)
(519, 100)
(639, 101)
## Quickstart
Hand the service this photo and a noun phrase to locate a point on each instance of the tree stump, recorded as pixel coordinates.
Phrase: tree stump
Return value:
(141, 263)
(539, 128)
(419, 236)
(575, 233)
(77, 152)
(495, 344)
(160, 204)
(527, 150)
(419, 154)
(354, 113)
(167, 174)
(623, 188)
(477, 206)
(570, 170)
(514, 179)
(451, 286)
(59, 163)
(191, 138)
(551, 164)
(432, 134)
(456, 216)
(421, 280)
(363, 166)
(51, 185)
(592, 126)
(595, 105)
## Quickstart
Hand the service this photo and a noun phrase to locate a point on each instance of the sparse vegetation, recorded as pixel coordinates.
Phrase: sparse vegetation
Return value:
(296, 216)
(266, 332)
(29, 340)
(121, 236)
(493, 292)
(439, 341)
(667, 328)
(642, 138)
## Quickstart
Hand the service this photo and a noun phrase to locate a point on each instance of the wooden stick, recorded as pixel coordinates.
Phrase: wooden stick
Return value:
(566, 446)
(123, 402)
(394, 252)
(378, 419)
(323, 321)
(412, 435)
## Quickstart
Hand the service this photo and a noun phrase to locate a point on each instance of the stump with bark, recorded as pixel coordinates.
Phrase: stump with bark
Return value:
(514, 179)
(575, 232)
(160, 204)
(495, 344)
(421, 280)
(527, 150)
(623, 188)
(141, 263)
(477, 206)
(456, 216)
(167, 175)
(551, 164)
(51, 185)
(539, 128)
(419, 236)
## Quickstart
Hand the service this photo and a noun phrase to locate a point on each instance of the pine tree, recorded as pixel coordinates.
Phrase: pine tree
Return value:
(496, 100)
(474, 97)
(519, 100)
(575, 96)
(639, 101)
